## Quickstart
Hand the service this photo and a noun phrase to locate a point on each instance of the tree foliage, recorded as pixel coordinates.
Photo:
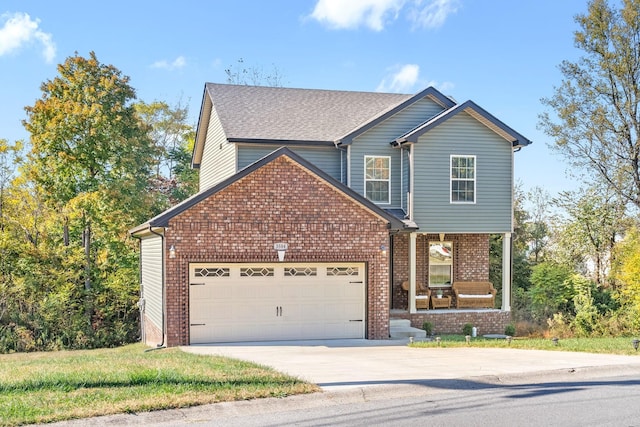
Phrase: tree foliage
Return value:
(68, 270)
(597, 105)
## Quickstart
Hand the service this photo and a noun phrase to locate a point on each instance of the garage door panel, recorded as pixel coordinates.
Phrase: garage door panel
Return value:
(251, 302)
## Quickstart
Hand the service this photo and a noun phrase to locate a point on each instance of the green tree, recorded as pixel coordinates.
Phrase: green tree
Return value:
(597, 128)
(550, 290)
(589, 230)
(86, 138)
(173, 137)
(91, 159)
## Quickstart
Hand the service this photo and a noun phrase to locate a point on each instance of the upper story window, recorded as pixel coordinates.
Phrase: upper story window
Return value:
(463, 179)
(377, 178)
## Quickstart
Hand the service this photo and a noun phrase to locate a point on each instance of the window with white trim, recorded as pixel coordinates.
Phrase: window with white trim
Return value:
(440, 264)
(377, 178)
(463, 179)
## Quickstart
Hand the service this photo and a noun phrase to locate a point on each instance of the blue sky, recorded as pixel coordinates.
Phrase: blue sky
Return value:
(501, 54)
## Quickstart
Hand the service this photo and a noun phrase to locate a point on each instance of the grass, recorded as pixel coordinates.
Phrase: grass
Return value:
(47, 387)
(589, 345)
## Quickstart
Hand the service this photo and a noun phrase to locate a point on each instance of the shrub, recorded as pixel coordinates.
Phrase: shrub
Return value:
(510, 329)
(467, 328)
(428, 327)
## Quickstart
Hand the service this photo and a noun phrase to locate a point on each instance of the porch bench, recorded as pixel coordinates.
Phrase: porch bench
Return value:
(474, 294)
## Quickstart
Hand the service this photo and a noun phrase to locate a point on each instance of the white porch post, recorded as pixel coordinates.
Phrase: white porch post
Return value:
(412, 272)
(506, 272)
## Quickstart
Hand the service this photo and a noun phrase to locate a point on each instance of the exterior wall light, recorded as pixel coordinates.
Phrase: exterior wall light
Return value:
(172, 252)
(383, 249)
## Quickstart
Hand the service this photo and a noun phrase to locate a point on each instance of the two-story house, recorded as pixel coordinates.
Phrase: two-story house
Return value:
(323, 214)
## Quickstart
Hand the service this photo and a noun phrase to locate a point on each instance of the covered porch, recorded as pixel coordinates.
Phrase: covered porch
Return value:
(429, 271)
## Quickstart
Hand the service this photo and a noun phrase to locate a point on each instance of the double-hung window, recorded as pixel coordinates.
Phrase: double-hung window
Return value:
(377, 178)
(463, 179)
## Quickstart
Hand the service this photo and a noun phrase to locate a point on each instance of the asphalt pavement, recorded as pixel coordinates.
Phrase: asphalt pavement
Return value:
(352, 371)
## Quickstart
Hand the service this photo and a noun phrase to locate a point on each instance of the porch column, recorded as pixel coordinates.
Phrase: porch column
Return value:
(412, 272)
(506, 272)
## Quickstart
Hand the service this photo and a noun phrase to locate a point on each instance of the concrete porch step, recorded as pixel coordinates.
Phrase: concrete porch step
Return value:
(401, 328)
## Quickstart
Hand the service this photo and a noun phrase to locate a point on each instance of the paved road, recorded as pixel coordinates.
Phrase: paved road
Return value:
(388, 383)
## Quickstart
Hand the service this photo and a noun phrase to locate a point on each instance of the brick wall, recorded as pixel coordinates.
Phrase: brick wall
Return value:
(280, 202)
(452, 321)
(470, 261)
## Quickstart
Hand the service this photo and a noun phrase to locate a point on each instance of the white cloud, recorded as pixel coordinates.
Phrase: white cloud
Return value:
(402, 79)
(375, 14)
(433, 14)
(20, 30)
(179, 62)
(351, 14)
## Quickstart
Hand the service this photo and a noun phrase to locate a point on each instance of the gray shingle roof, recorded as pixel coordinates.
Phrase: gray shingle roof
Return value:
(286, 114)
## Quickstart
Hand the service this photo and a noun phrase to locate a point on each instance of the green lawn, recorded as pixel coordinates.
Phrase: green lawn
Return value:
(46, 387)
(590, 345)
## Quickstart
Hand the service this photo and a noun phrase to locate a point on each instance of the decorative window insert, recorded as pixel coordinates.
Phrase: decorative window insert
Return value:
(300, 271)
(440, 264)
(377, 179)
(256, 272)
(463, 179)
(211, 272)
(342, 271)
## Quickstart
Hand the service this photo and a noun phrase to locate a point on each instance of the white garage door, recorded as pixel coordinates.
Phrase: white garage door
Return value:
(267, 302)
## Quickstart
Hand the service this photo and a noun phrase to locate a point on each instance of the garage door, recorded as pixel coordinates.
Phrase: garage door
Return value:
(267, 302)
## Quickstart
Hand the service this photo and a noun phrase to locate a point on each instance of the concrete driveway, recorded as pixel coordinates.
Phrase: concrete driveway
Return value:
(342, 364)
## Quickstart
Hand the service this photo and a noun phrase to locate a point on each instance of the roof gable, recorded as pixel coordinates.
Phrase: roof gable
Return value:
(475, 111)
(163, 219)
(429, 92)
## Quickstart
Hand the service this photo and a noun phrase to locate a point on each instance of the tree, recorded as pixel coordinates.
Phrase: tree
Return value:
(252, 75)
(536, 229)
(588, 233)
(168, 129)
(174, 178)
(10, 157)
(92, 158)
(598, 120)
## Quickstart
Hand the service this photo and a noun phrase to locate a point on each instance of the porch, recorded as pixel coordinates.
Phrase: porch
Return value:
(425, 268)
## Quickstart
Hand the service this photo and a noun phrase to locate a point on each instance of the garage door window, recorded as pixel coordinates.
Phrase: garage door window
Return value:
(342, 271)
(211, 272)
(256, 272)
(300, 271)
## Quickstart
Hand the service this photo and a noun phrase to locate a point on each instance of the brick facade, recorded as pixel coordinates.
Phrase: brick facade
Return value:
(452, 321)
(279, 202)
(470, 261)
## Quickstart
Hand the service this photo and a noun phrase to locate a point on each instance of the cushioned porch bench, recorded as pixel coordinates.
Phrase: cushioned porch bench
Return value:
(474, 294)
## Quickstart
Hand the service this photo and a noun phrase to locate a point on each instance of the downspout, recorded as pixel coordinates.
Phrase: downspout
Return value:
(164, 305)
(141, 300)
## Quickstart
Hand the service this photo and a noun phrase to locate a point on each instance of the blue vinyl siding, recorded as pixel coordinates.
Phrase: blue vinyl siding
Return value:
(433, 211)
(326, 158)
(376, 142)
